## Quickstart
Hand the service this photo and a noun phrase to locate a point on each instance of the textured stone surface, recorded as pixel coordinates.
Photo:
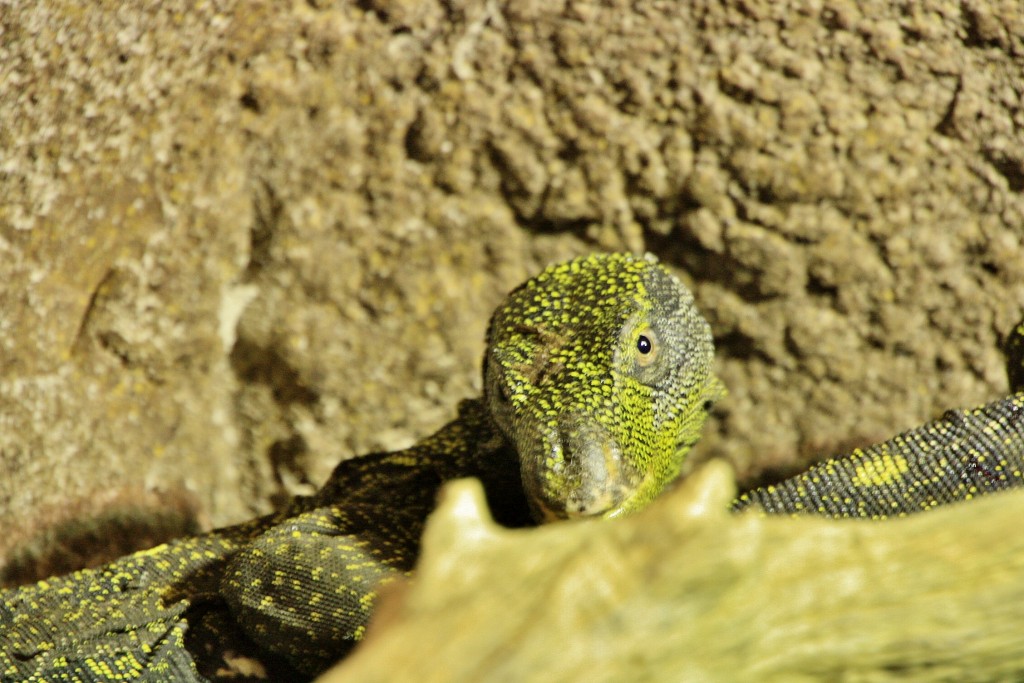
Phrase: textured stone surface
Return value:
(242, 240)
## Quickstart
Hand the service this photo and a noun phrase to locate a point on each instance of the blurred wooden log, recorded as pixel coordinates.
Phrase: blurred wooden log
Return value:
(687, 592)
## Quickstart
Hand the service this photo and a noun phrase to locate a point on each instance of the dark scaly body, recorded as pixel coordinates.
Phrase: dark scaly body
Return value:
(118, 621)
(963, 454)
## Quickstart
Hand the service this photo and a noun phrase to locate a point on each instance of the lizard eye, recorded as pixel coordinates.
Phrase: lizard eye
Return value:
(647, 348)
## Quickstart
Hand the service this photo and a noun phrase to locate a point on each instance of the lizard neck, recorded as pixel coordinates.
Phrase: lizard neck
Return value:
(473, 446)
(469, 446)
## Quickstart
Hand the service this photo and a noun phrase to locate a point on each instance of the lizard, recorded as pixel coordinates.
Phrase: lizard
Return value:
(597, 380)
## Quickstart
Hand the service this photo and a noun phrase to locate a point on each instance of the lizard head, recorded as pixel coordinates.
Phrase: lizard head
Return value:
(598, 373)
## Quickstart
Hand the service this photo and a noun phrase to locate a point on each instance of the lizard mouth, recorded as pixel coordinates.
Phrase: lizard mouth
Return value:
(584, 475)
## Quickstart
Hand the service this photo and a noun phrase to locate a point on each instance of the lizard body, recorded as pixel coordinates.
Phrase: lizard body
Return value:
(963, 454)
(597, 382)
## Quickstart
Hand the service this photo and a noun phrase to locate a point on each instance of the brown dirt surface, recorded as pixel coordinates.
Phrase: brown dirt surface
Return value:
(242, 240)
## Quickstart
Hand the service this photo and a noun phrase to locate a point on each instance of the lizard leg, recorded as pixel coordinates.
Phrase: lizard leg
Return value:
(304, 589)
(115, 628)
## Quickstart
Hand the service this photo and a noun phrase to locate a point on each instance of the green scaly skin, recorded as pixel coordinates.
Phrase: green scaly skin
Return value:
(597, 382)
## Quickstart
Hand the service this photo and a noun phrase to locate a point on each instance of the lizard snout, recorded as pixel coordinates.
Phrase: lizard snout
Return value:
(586, 475)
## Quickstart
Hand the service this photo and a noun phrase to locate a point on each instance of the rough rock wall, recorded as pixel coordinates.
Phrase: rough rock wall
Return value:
(242, 240)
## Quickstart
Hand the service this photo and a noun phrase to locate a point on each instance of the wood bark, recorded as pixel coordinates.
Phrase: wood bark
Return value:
(687, 592)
